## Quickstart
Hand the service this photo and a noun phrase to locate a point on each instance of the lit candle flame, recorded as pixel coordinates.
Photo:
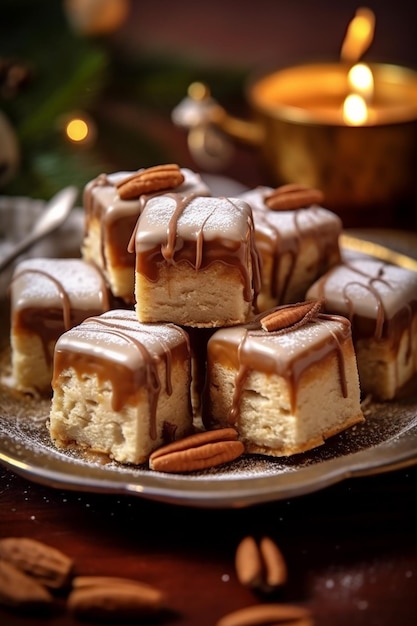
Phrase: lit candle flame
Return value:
(361, 81)
(359, 36)
(355, 106)
(355, 110)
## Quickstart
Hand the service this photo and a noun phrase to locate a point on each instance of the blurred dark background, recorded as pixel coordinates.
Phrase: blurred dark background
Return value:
(125, 64)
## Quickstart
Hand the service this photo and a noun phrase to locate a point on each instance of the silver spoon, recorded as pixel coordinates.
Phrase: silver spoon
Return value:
(55, 213)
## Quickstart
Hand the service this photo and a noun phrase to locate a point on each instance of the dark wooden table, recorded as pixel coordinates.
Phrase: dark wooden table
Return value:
(351, 549)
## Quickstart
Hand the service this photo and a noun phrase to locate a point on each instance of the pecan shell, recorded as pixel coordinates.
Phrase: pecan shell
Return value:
(48, 565)
(20, 591)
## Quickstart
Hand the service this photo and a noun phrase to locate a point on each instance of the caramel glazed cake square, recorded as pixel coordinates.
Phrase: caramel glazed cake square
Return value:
(121, 388)
(48, 297)
(110, 221)
(298, 240)
(285, 391)
(381, 302)
(196, 261)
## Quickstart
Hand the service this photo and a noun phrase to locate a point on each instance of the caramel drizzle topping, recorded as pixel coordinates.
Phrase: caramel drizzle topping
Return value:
(292, 197)
(152, 381)
(63, 294)
(370, 285)
(181, 203)
(45, 335)
(168, 249)
(153, 384)
(244, 358)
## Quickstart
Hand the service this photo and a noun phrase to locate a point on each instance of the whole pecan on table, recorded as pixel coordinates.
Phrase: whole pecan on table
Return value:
(113, 598)
(46, 564)
(268, 615)
(20, 591)
(260, 566)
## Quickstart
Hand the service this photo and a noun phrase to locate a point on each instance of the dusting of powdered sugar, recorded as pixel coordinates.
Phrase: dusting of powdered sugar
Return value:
(24, 439)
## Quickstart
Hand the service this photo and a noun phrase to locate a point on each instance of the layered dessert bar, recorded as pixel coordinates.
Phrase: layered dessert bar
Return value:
(286, 383)
(48, 297)
(297, 240)
(121, 388)
(196, 261)
(380, 300)
(112, 205)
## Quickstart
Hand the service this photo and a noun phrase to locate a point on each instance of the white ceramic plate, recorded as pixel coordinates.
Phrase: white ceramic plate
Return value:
(386, 441)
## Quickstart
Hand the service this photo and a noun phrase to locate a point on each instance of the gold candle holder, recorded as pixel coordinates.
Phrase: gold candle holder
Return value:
(301, 128)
